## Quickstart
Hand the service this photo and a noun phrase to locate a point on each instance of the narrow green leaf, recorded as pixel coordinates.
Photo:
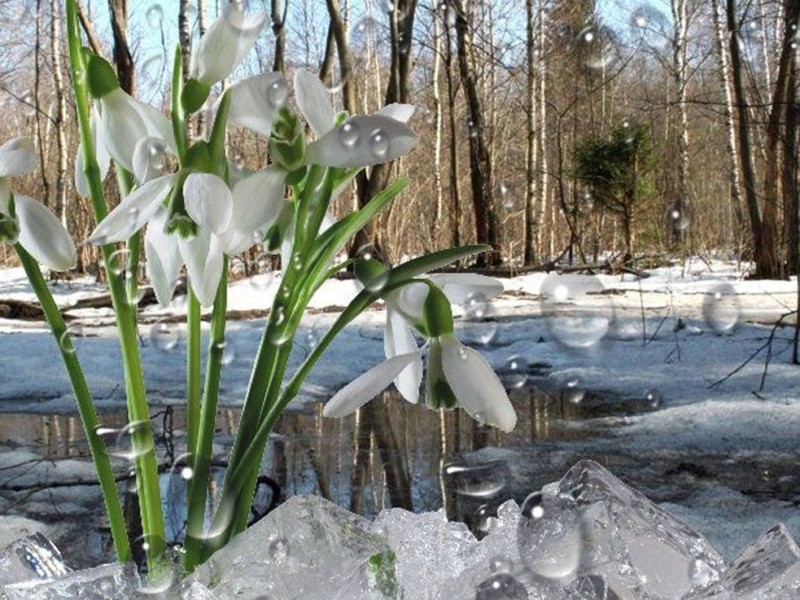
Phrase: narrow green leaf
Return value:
(431, 262)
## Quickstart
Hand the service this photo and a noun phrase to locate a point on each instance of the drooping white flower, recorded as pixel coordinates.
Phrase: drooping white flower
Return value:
(27, 221)
(451, 365)
(225, 44)
(228, 220)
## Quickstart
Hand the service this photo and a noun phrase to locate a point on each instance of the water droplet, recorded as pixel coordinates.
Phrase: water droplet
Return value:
(472, 129)
(573, 392)
(462, 353)
(280, 315)
(476, 306)
(278, 93)
(379, 143)
(155, 16)
(501, 586)
(297, 262)
(262, 281)
(119, 260)
(514, 373)
(721, 308)
(576, 309)
(164, 336)
(480, 480)
(130, 442)
(549, 535)
(228, 351)
(65, 342)
(652, 397)
(163, 582)
(349, 134)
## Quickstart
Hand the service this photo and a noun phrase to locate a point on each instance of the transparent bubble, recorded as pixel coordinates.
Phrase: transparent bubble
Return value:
(119, 261)
(181, 468)
(501, 586)
(262, 281)
(155, 16)
(228, 351)
(652, 397)
(550, 535)
(379, 143)
(349, 134)
(485, 519)
(573, 392)
(129, 443)
(576, 310)
(679, 217)
(514, 373)
(721, 308)
(480, 480)
(65, 342)
(164, 335)
(152, 68)
(163, 581)
(278, 93)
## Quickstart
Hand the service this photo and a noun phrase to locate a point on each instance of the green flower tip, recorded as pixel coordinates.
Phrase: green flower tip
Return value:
(287, 143)
(198, 157)
(194, 95)
(436, 313)
(369, 270)
(100, 76)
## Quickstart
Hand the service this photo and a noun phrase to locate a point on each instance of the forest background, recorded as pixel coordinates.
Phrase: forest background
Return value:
(557, 131)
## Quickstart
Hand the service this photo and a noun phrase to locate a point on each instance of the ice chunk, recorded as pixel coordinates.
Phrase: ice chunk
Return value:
(197, 591)
(639, 549)
(33, 557)
(306, 548)
(115, 581)
(768, 569)
(590, 587)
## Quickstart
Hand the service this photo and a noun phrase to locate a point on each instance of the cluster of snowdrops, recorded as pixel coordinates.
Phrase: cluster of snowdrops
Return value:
(192, 210)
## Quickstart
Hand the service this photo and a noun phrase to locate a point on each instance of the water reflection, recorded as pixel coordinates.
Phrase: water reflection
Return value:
(389, 453)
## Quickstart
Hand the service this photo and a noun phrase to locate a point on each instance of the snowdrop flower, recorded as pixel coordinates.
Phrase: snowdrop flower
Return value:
(360, 141)
(456, 374)
(204, 220)
(23, 219)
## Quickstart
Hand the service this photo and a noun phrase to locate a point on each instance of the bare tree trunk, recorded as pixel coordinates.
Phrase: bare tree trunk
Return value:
(437, 115)
(201, 126)
(529, 215)
(544, 176)
(763, 243)
(326, 67)
(278, 29)
(734, 175)
(123, 59)
(37, 102)
(455, 185)
(680, 73)
(185, 36)
(60, 121)
(486, 223)
(86, 23)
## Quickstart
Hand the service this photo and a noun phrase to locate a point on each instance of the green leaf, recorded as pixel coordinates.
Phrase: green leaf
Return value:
(431, 262)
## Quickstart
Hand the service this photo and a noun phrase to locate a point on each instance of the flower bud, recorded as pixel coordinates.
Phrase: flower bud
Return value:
(194, 94)
(101, 78)
(287, 143)
(437, 315)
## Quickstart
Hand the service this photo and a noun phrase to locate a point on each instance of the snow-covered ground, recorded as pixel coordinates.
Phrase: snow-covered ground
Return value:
(678, 342)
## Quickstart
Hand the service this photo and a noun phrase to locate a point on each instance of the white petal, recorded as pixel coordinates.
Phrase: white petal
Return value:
(226, 43)
(461, 288)
(208, 201)
(399, 340)
(101, 156)
(133, 212)
(398, 112)
(361, 142)
(476, 385)
(163, 257)
(257, 203)
(155, 122)
(43, 235)
(255, 101)
(121, 127)
(367, 386)
(314, 101)
(17, 157)
(203, 257)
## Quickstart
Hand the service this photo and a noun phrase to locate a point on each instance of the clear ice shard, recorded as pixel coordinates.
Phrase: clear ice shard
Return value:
(306, 548)
(639, 550)
(197, 591)
(32, 557)
(768, 569)
(114, 581)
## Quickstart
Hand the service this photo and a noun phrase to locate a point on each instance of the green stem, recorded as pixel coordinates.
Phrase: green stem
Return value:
(83, 397)
(138, 411)
(202, 452)
(193, 370)
(176, 108)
